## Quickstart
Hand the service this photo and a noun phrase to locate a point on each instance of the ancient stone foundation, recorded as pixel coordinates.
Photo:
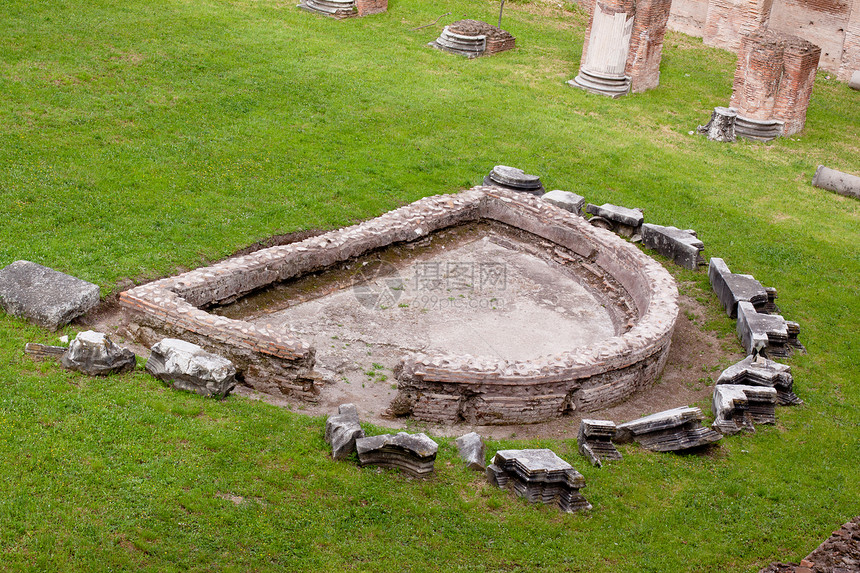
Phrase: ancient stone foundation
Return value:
(773, 84)
(623, 46)
(433, 387)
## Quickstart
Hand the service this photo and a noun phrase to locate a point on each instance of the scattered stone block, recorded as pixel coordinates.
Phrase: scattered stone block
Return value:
(186, 366)
(342, 430)
(733, 288)
(621, 220)
(759, 371)
(473, 38)
(414, 454)
(673, 430)
(44, 351)
(854, 82)
(721, 127)
(737, 407)
(566, 200)
(539, 476)
(471, 448)
(96, 354)
(595, 441)
(837, 181)
(767, 334)
(683, 247)
(514, 179)
(44, 296)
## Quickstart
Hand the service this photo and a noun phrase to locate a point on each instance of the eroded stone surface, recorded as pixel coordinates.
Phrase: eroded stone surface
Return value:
(760, 371)
(186, 366)
(595, 441)
(737, 407)
(682, 246)
(539, 476)
(566, 200)
(672, 430)
(414, 454)
(342, 430)
(94, 353)
(471, 448)
(44, 296)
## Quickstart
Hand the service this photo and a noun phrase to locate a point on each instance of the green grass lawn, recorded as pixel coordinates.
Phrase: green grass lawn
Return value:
(140, 138)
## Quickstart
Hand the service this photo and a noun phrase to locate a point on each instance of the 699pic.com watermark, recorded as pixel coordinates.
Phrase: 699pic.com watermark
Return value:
(460, 285)
(432, 285)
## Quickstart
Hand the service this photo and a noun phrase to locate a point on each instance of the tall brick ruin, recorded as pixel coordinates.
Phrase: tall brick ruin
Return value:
(623, 46)
(728, 21)
(773, 84)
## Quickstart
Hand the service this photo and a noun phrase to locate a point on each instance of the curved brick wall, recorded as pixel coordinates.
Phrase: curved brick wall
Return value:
(436, 388)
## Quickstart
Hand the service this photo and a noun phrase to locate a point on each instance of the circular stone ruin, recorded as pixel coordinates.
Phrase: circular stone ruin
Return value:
(489, 306)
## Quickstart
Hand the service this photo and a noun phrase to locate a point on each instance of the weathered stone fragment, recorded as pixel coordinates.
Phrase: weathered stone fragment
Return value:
(721, 126)
(186, 366)
(471, 448)
(539, 476)
(44, 351)
(414, 454)
(669, 431)
(514, 179)
(837, 181)
(739, 408)
(733, 288)
(595, 441)
(854, 82)
(96, 354)
(759, 371)
(622, 220)
(342, 430)
(683, 247)
(566, 200)
(767, 334)
(44, 296)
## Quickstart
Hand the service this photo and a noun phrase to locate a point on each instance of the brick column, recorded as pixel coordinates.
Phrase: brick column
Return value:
(646, 43)
(758, 75)
(800, 62)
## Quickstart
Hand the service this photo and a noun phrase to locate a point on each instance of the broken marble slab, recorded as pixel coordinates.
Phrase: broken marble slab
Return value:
(737, 407)
(414, 454)
(732, 288)
(514, 179)
(672, 430)
(565, 200)
(539, 476)
(682, 246)
(595, 441)
(44, 296)
(760, 371)
(186, 366)
(621, 220)
(767, 334)
(471, 448)
(44, 351)
(342, 430)
(95, 354)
